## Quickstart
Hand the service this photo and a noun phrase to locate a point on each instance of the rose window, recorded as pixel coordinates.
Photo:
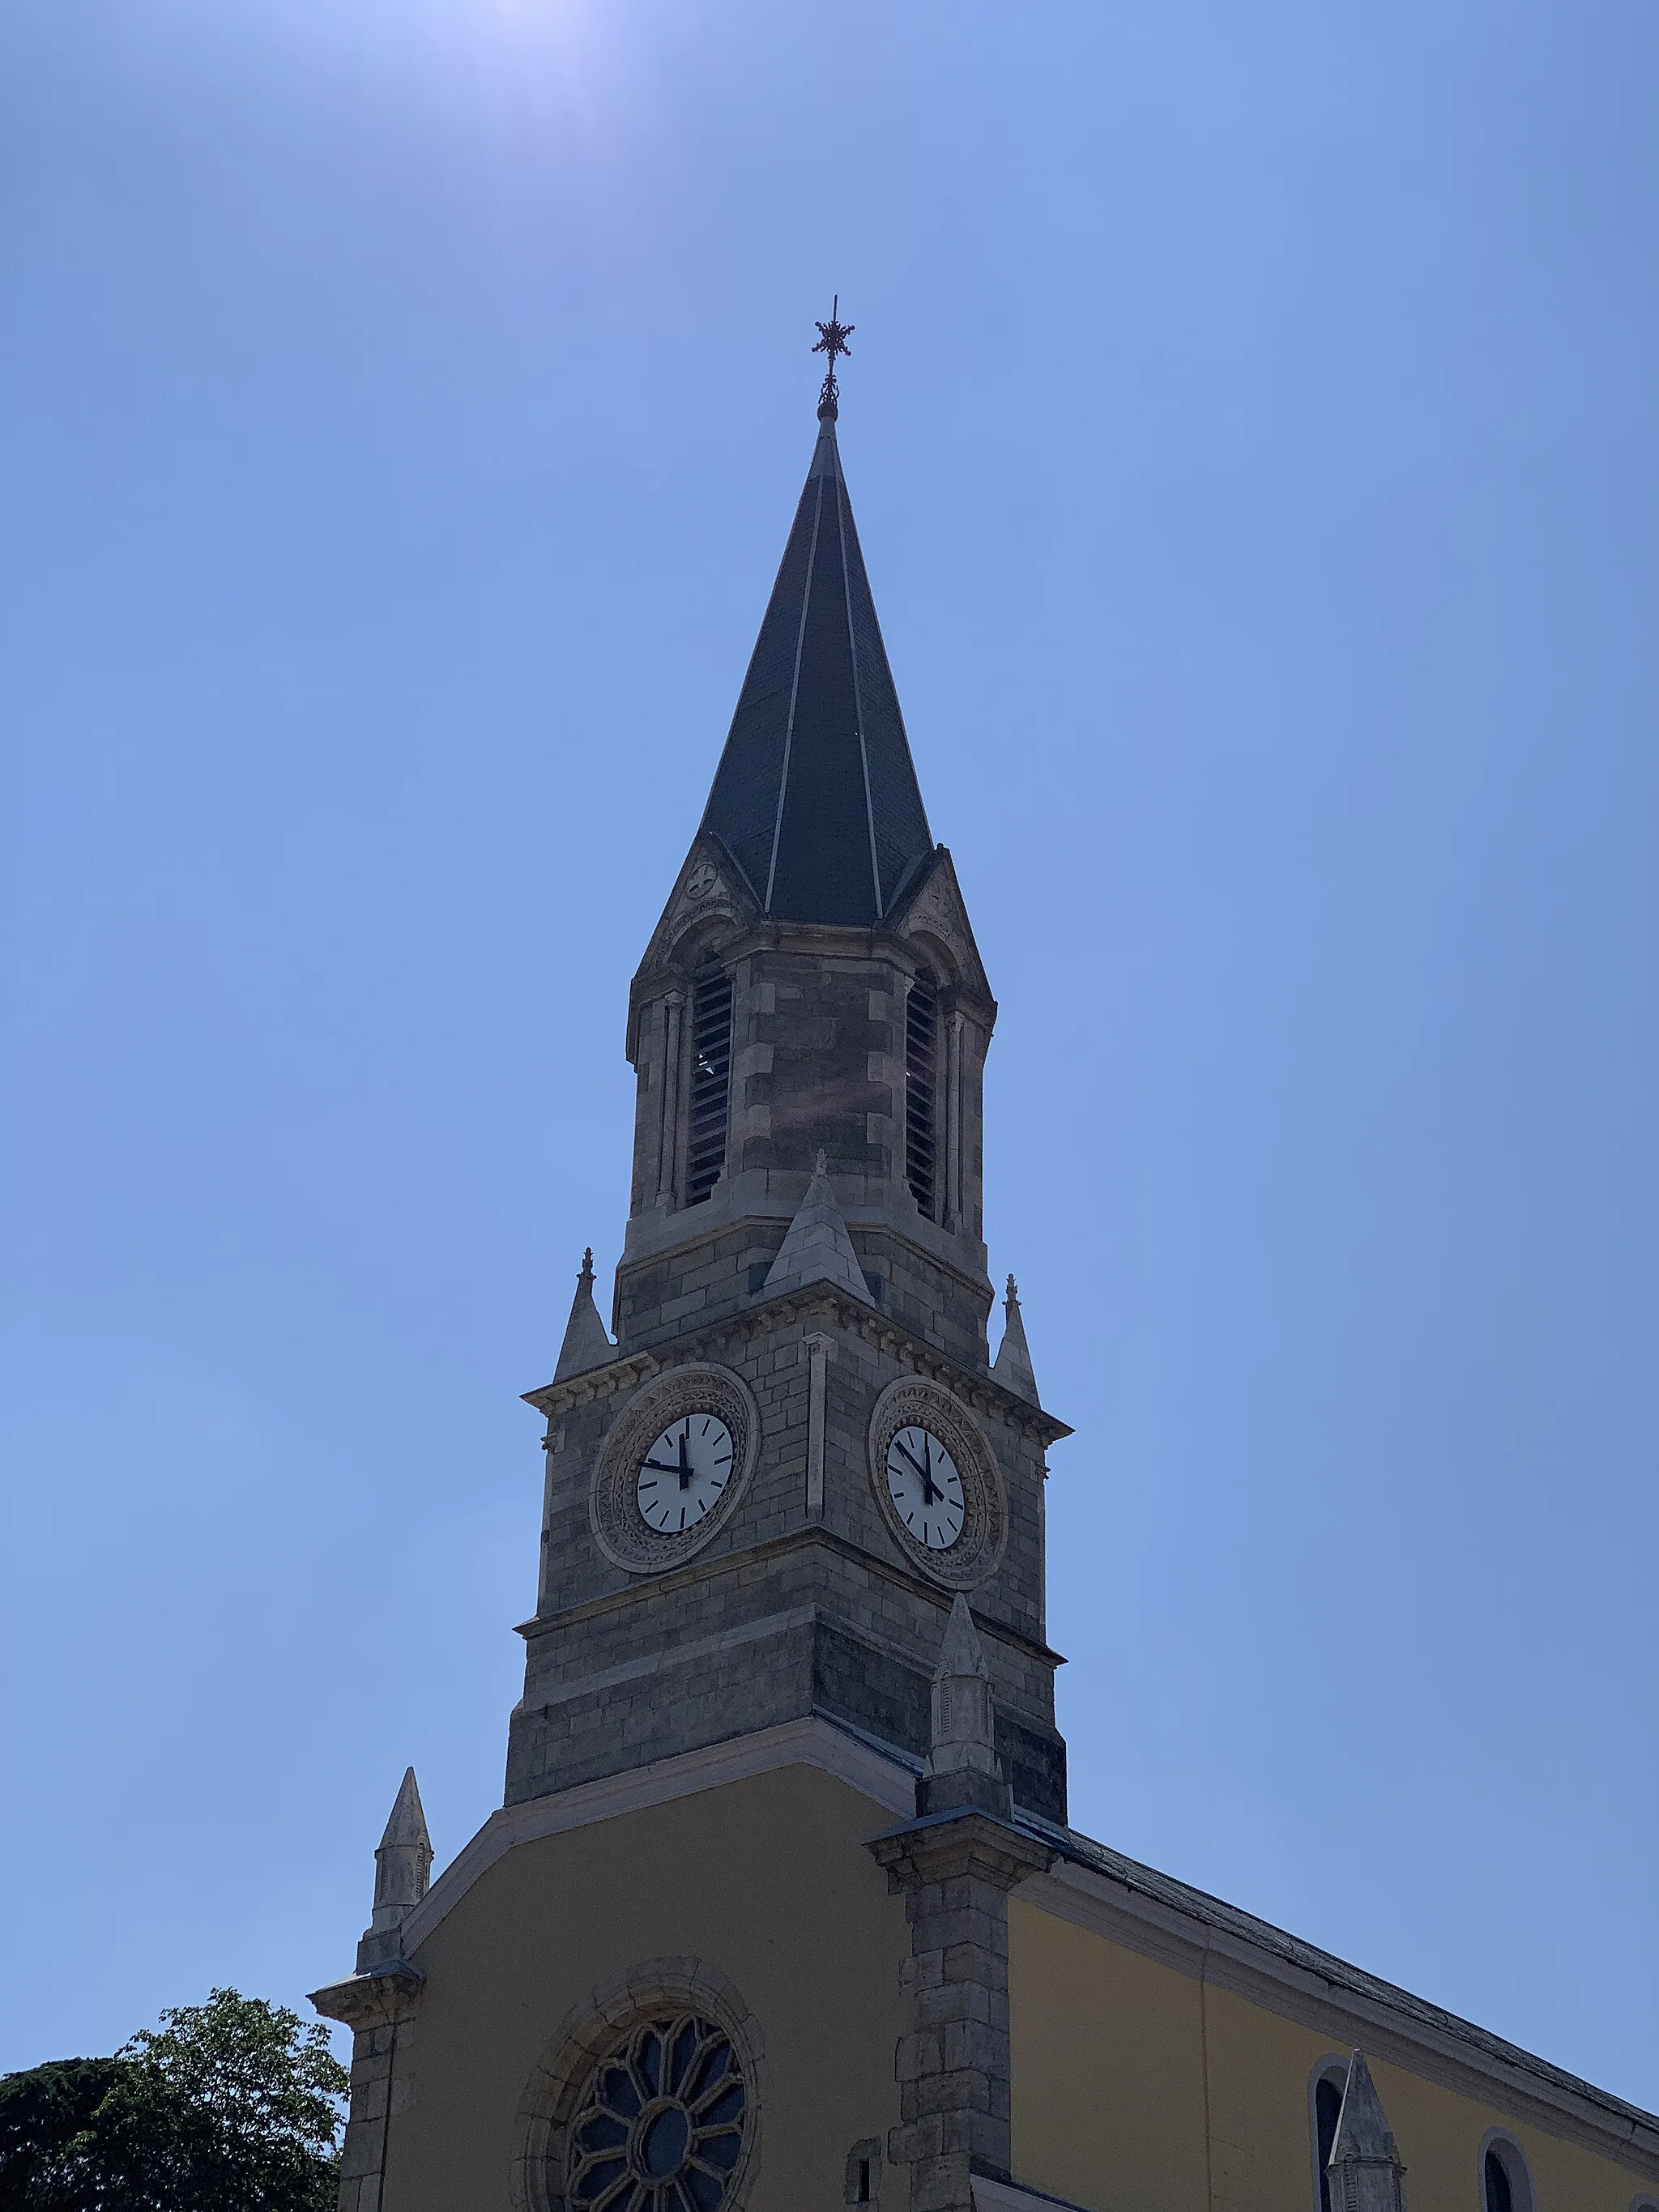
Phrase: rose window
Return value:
(660, 2127)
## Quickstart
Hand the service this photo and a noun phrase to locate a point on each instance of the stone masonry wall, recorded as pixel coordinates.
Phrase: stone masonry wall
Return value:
(787, 1610)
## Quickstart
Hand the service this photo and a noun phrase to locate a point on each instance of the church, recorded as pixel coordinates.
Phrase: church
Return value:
(783, 1910)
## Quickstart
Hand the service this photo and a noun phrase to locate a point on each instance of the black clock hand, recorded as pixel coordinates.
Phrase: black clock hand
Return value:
(658, 1467)
(686, 1469)
(929, 1492)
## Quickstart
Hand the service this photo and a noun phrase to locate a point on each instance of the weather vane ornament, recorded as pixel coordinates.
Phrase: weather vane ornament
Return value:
(832, 339)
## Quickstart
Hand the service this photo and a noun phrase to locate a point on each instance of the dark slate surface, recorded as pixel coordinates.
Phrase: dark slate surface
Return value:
(816, 796)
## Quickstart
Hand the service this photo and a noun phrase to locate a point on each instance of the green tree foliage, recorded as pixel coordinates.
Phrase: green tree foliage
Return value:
(234, 2106)
(42, 2112)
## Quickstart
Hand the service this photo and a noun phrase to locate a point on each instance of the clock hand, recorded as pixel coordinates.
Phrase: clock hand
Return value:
(900, 1444)
(658, 1467)
(686, 1469)
(929, 1490)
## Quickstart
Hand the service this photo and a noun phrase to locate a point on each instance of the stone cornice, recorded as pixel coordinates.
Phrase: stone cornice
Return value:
(654, 1233)
(978, 1388)
(650, 1587)
(623, 1374)
(953, 1845)
(380, 1997)
(882, 942)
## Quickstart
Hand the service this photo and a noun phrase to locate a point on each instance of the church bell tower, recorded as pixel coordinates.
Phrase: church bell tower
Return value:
(782, 1912)
(765, 1496)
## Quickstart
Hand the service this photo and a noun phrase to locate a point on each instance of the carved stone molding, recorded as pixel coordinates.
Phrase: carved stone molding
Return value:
(977, 1552)
(601, 2024)
(620, 1529)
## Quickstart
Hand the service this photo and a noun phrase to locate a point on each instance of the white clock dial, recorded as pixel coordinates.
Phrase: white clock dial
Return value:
(925, 1487)
(682, 1476)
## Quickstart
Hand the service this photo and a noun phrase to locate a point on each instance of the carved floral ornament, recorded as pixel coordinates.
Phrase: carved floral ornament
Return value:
(914, 1403)
(646, 2099)
(620, 1528)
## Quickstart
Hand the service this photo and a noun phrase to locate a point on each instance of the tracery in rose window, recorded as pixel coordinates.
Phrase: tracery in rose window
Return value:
(660, 2125)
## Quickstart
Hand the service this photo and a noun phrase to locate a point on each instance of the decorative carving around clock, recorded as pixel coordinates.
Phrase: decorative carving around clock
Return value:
(937, 1483)
(670, 1472)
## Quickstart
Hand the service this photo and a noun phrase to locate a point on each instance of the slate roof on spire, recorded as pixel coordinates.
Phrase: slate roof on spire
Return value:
(816, 796)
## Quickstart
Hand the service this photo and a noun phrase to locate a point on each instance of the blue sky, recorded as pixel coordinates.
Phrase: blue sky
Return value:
(1252, 433)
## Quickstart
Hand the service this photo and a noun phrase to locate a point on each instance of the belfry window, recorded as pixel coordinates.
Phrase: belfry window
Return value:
(711, 1085)
(921, 1092)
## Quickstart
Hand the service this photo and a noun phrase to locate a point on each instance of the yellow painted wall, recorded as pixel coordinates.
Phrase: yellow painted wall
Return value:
(766, 1879)
(1137, 2087)
(1107, 2071)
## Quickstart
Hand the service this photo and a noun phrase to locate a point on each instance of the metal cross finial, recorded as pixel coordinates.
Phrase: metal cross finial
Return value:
(832, 340)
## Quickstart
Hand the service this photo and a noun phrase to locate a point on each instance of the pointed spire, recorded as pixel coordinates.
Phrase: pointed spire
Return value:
(586, 1342)
(816, 796)
(817, 1248)
(402, 1870)
(1012, 1364)
(1365, 2171)
(962, 1655)
(962, 1768)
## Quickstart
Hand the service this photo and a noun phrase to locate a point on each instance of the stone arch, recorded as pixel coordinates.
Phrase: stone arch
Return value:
(595, 2025)
(1499, 2146)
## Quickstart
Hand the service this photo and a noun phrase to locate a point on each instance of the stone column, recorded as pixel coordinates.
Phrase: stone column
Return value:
(901, 1033)
(673, 1007)
(953, 1206)
(820, 1351)
(955, 1866)
(380, 2009)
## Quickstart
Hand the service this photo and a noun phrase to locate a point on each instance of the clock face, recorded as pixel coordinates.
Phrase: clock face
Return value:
(925, 1487)
(683, 1474)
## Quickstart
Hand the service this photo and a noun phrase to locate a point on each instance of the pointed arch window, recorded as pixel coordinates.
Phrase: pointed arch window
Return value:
(921, 1092)
(711, 1085)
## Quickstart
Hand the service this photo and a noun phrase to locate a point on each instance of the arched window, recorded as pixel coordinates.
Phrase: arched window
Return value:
(1327, 2086)
(1505, 2183)
(1327, 2104)
(711, 1085)
(1495, 2184)
(921, 1090)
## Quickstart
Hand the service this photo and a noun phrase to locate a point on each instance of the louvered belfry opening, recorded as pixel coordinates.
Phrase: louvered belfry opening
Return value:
(921, 1090)
(711, 1085)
